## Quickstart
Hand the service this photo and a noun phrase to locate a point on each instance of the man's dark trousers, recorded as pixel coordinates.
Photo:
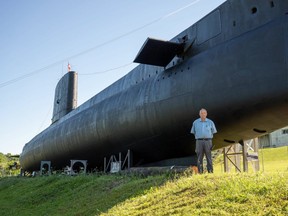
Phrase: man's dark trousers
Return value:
(204, 147)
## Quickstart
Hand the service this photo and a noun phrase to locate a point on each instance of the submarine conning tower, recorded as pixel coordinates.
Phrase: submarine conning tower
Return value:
(65, 99)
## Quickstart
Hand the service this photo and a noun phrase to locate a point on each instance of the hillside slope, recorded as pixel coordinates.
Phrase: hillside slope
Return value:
(263, 193)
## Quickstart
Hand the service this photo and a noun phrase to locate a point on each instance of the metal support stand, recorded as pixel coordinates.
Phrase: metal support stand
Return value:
(253, 153)
(42, 168)
(249, 152)
(244, 155)
(118, 165)
(73, 162)
(231, 154)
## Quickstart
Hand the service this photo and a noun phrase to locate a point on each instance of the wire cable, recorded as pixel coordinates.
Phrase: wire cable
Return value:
(105, 71)
(9, 82)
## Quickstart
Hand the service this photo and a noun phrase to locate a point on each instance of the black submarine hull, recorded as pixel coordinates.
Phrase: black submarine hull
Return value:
(240, 77)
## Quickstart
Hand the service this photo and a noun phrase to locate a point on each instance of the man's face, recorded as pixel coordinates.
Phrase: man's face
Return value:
(203, 114)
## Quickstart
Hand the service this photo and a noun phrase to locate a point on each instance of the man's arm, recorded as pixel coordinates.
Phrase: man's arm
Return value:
(193, 129)
(213, 128)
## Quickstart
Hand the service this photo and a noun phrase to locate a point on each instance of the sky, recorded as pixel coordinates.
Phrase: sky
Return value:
(99, 39)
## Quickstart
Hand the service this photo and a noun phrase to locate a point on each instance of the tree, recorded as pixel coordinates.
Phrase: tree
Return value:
(3, 158)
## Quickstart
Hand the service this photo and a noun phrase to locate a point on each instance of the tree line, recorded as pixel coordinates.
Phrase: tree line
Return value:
(9, 164)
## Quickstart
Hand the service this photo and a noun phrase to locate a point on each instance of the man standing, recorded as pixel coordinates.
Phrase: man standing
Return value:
(203, 130)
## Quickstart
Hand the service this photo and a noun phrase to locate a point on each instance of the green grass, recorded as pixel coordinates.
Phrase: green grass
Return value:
(262, 193)
(274, 159)
(229, 194)
(66, 195)
(270, 160)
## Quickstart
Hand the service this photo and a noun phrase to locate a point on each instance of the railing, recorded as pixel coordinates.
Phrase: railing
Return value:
(117, 165)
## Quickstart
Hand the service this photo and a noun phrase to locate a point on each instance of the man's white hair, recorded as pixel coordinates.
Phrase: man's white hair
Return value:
(202, 109)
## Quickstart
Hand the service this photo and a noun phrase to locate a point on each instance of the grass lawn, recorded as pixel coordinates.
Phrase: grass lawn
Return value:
(252, 193)
(270, 160)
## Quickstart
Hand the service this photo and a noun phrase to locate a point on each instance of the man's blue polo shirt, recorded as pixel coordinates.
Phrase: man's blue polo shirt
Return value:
(203, 129)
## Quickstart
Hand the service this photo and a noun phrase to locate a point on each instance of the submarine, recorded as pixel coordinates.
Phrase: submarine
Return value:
(233, 62)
